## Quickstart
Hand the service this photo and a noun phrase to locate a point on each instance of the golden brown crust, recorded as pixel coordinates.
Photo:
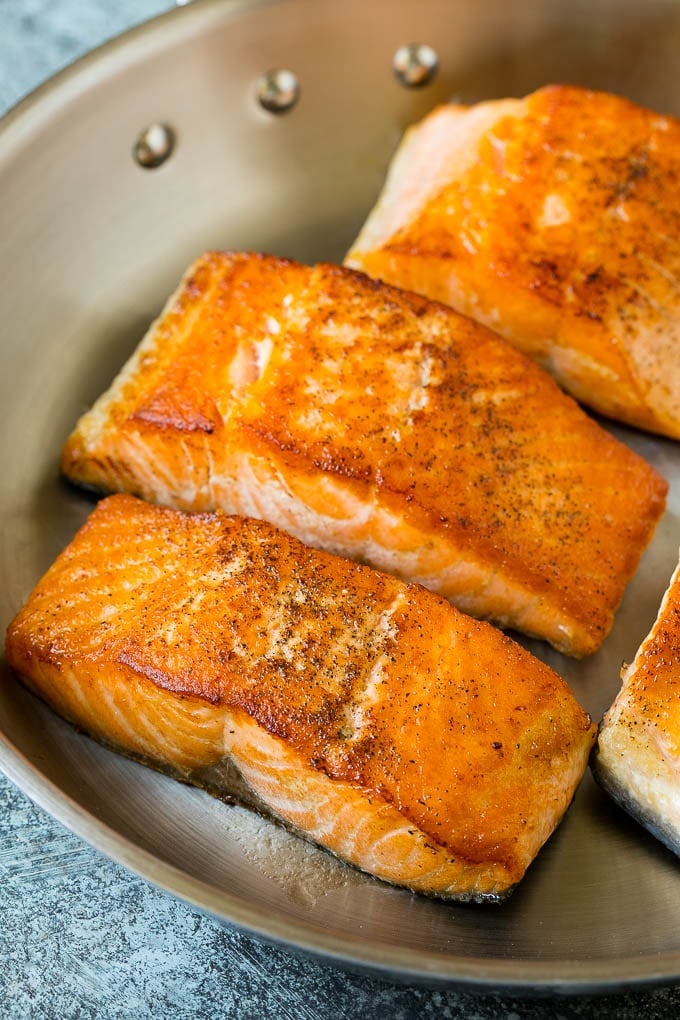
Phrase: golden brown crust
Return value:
(367, 680)
(568, 247)
(382, 426)
(478, 463)
(637, 759)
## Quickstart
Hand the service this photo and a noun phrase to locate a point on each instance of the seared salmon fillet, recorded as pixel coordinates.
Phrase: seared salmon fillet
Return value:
(637, 759)
(383, 427)
(554, 219)
(368, 714)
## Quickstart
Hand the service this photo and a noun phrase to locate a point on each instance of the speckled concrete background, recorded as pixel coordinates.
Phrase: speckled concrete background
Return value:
(81, 937)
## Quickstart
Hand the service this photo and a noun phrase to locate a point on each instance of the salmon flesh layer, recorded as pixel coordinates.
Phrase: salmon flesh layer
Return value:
(380, 426)
(555, 220)
(637, 758)
(367, 714)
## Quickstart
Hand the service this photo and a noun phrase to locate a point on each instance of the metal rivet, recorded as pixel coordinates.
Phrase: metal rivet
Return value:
(154, 145)
(278, 91)
(415, 64)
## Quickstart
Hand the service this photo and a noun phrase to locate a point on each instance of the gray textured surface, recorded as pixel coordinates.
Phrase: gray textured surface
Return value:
(81, 937)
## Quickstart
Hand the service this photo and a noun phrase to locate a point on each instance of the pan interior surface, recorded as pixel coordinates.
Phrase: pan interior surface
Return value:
(93, 243)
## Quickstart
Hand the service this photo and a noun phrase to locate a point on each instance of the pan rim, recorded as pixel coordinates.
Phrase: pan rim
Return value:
(469, 974)
(481, 975)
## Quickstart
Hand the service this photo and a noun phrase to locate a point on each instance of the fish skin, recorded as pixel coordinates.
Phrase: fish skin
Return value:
(555, 220)
(368, 714)
(637, 756)
(383, 427)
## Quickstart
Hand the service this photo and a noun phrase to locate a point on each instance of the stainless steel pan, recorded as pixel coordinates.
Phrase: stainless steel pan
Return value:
(90, 244)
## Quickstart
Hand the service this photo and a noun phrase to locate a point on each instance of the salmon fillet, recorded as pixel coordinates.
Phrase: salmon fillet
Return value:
(368, 714)
(382, 427)
(637, 759)
(554, 219)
